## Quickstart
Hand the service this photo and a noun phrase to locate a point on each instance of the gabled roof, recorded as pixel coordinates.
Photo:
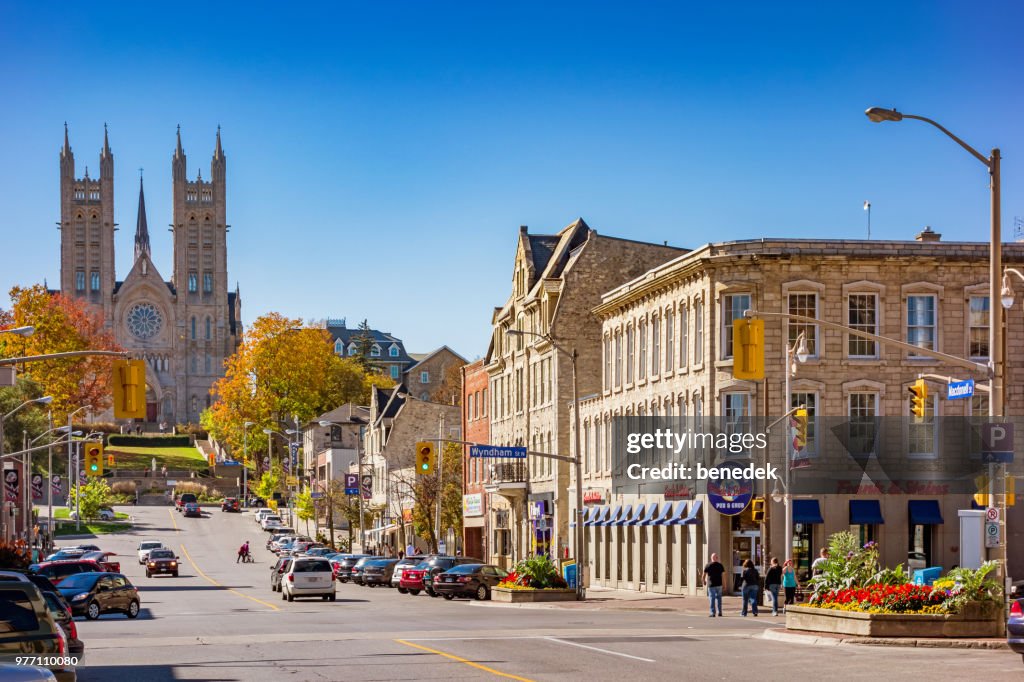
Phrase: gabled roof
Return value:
(434, 352)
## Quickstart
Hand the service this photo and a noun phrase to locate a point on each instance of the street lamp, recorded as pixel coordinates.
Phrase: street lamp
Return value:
(796, 352)
(359, 487)
(997, 281)
(44, 400)
(581, 547)
(28, 330)
(245, 463)
(272, 432)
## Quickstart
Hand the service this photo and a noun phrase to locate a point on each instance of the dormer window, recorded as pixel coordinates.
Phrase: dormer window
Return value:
(393, 351)
(351, 349)
(339, 347)
(375, 351)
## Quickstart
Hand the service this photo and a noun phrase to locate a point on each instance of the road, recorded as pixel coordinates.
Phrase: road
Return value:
(220, 621)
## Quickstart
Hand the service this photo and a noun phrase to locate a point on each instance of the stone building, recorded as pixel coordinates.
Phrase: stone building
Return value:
(397, 422)
(427, 376)
(386, 351)
(476, 428)
(328, 451)
(667, 352)
(184, 328)
(557, 280)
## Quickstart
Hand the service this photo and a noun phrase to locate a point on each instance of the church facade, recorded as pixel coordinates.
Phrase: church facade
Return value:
(185, 327)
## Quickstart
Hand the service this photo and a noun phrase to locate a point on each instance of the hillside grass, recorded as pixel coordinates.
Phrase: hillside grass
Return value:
(139, 457)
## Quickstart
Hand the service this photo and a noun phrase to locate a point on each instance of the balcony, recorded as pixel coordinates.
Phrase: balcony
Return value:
(508, 479)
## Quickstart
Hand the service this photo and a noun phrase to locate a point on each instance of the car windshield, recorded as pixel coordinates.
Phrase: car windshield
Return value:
(311, 567)
(188, 497)
(150, 545)
(161, 554)
(422, 566)
(465, 568)
(16, 612)
(82, 581)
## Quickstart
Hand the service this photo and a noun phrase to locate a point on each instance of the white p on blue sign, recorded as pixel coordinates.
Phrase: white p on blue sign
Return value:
(955, 390)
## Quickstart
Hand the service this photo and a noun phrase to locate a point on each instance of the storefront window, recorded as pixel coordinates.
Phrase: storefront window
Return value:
(920, 549)
(803, 540)
(867, 532)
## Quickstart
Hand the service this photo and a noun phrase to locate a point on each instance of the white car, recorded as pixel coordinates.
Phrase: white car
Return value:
(260, 513)
(102, 515)
(308, 577)
(145, 546)
(270, 521)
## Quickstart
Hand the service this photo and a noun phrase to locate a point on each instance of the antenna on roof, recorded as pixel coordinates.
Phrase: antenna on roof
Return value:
(867, 207)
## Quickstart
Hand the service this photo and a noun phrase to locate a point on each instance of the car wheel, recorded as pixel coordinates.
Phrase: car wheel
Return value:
(449, 597)
(331, 597)
(92, 612)
(283, 595)
(324, 598)
(175, 574)
(413, 592)
(402, 590)
(291, 597)
(148, 574)
(482, 593)
(432, 593)
(371, 584)
(133, 609)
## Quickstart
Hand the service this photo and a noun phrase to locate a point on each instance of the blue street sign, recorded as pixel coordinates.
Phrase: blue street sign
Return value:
(496, 451)
(996, 457)
(955, 390)
(351, 484)
(316, 496)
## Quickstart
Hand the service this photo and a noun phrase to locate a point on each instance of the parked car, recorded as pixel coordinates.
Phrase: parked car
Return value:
(104, 560)
(404, 563)
(356, 574)
(145, 546)
(93, 594)
(308, 578)
(104, 514)
(193, 509)
(468, 580)
(42, 583)
(161, 561)
(321, 551)
(270, 521)
(181, 500)
(378, 572)
(277, 571)
(344, 570)
(27, 628)
(1015, 626)
(60, 610)
(260, 513)
(66, 554)
(58, 571)
(231, 504)
(435, 565)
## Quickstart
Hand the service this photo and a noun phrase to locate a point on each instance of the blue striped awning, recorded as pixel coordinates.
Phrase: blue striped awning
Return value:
(865, 512)
(588, 514)
(663, 515)
(611, 520)
(638, 514)
(600, 513)
(694, 515)
(652, 512)
(623, 519)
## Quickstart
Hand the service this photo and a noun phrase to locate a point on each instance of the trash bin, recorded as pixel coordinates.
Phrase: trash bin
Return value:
(927, 576)
(569, 573)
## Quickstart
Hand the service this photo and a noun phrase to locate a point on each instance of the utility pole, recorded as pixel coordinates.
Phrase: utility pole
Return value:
(440, 481)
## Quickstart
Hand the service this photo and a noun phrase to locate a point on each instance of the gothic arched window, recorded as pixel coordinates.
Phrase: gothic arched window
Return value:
(193, 328)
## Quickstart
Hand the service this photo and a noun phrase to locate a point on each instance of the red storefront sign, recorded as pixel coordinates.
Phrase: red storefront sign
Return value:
(593, 496)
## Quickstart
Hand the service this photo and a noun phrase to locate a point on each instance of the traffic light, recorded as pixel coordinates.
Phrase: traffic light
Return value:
(757, 509)
(981, 488)
(212, 459)
(110, 459)
(426, 458)
(129, 385)
(94, 459)
(1011, 490)
(800, 429)
(748, 349)
(918, 398)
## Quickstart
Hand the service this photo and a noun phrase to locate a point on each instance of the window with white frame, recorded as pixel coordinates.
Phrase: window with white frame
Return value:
(670, 340)
(655, 346)
(736, 410)
(629, 354)
(375, 351)
(921, 321)
(805, 305)
(598, 428)
(862, 315)
(922, 432)
(642, 328)
(94, 280)
(424, 377)
(733, 307)
(352, 350)
(977, 326)
(863, 409)
(618, 360)
(684, 338)
(607, 362)
(339, 347)
(79, 280)
(393, 351)
(698, 332)
(394, 371)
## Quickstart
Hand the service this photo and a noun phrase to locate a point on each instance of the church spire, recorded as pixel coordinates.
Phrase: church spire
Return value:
(67, 145)
(106, 142)
(141, 229)
(179, 152)
(218, 152)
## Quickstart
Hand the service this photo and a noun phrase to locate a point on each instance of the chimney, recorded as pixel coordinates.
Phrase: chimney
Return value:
(926, 235)
(522, 229)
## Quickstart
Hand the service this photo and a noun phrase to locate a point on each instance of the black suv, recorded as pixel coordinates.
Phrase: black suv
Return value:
(184, 499)
(440, 564)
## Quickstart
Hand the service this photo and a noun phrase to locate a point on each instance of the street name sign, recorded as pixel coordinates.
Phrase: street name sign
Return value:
(956, 390)
(497, 451)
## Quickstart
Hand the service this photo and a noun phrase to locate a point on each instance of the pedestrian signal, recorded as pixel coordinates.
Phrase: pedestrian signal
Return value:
(110, 460)
(426, 458)
(748, 349)
(981, 490)
(918, 398)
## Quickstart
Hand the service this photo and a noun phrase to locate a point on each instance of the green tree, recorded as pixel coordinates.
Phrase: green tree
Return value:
(364, 346)
(423, 492)
(91, 497)
(268, 484)
(304, 507)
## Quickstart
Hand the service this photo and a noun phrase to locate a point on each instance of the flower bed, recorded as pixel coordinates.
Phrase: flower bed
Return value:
(884, 599)
(979, 622)
(520, 594)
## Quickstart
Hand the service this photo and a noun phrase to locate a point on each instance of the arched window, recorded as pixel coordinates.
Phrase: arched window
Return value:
(375, 351)
(209, 326)
(393, 351)
(193, 328)
(339, 347)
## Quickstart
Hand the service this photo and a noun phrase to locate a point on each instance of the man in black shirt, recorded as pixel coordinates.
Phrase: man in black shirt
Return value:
(713, 573)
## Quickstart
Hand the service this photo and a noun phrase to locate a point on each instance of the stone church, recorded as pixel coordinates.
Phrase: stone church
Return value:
(183, 328)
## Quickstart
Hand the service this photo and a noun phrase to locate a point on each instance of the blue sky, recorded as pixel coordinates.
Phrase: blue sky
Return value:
(381, 156)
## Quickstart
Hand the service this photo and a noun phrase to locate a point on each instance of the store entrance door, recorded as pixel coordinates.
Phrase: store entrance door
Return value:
(745, 545)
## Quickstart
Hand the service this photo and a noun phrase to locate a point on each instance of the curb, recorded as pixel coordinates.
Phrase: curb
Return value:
(780, 635)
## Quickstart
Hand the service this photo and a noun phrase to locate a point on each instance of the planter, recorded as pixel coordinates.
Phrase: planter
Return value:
(980, 621)
(503, 594)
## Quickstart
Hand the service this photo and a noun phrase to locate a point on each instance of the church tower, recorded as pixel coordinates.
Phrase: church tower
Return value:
(87, 229)
(200, 276)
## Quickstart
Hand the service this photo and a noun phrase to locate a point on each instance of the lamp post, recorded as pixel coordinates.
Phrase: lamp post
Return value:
(581, 547)
(293, 465)
(995, 268)
(28, 330)
(50, 469)
(245, 463)
(795, 352)
(28, 470)
(45, 400)
(272, 432)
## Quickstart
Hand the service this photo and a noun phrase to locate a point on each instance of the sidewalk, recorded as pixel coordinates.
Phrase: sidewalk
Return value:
(829, 639)
(605, 599)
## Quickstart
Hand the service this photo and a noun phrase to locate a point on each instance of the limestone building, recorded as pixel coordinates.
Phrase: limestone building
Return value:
(183, 328)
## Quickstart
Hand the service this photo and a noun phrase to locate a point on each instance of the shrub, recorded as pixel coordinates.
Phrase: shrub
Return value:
(537, 572)
(848, 564)
(198, 489)
(150, 441)
(123, 488)
(971, 585)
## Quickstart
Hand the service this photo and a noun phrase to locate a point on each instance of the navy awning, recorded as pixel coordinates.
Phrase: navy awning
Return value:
(661, 517)
(639, 514)
(867, 512)
(693, 516)
(642, 520)
(623, 518)
(611, 520)
(807, 511)
(588, 514)
(924, 512)
(596, 516)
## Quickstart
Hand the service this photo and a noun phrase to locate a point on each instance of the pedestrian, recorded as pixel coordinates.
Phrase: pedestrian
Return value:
(410, 549)
(163, 471)
(241, 552)
(713, 573)
(772, 582)
(789, 582)
(818, 567)
(751, 582)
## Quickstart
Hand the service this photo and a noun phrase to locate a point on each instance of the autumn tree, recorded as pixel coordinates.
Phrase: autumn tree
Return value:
(61, 324)
(422, 492)
(281, 372)
(450, 390)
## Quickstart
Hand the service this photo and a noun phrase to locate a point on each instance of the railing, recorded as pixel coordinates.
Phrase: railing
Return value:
(509, 472)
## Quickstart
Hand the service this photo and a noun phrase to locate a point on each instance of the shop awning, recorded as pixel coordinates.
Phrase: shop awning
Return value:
(694, 515)
(600, 514)
(611, 520)
(924, 512)
(807, 511)
(638, 514)
(866, 512)
(624, 517)
(652, 513)
(678, 517)
(663, 515)
(588, 516)
(381, 529)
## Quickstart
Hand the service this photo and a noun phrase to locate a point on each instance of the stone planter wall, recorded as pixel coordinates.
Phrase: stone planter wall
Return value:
(528, 596)
(976, 623)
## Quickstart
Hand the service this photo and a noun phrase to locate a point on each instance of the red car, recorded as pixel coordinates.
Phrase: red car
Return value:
(56, 571)
(104, 560)
(412, 580)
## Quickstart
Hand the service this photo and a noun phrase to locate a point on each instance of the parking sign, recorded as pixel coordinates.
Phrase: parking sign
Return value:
(996, 443)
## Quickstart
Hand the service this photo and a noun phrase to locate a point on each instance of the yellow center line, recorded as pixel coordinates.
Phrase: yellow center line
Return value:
(463, 660)
(174, 521)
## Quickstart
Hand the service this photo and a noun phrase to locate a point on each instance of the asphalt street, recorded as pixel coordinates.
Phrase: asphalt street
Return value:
(220, 621)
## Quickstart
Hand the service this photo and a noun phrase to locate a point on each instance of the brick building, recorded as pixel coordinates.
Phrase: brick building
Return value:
(476, 428)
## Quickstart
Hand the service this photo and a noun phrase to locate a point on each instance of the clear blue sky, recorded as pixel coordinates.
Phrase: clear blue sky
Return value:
(381, 156)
